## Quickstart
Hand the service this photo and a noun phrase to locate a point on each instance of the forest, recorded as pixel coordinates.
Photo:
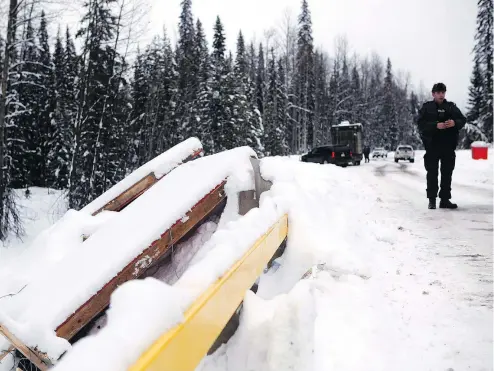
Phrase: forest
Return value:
(82, 108)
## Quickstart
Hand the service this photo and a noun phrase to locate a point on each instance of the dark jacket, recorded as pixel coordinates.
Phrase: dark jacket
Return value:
(366, 151)
(430, 115)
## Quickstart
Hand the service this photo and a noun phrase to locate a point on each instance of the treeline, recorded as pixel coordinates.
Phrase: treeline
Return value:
(82, 118)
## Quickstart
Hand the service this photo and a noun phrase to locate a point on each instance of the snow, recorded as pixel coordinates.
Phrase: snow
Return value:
(82, 272)
(396, 286)
(160, 166)
(401, 287)
(479, 144)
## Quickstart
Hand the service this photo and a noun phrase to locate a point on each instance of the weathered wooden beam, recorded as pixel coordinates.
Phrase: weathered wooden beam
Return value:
(129, 195)
(133, 192)
(141, 263)
(39, 359)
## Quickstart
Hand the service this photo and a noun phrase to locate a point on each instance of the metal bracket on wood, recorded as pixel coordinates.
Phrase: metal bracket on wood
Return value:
(248, 200)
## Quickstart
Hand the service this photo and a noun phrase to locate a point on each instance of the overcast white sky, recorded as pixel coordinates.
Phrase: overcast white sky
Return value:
(432, 39)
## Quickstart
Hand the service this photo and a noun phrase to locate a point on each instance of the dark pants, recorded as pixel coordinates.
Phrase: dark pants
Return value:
(432, 158)
(366, 157)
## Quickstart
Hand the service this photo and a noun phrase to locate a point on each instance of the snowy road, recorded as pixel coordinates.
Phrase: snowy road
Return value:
(442, 263)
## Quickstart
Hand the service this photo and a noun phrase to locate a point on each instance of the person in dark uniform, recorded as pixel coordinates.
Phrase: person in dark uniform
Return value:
(366, 153)
(439, 123)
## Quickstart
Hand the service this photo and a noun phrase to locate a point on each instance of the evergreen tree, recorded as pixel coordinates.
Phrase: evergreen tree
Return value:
(389, 117)
(58, 158)
(187, 69)
(92, 125)
(484, 58)
(201, 108)
(304, 80)
(45, 105)
(282, 109)
(260, 81)
(219, 93)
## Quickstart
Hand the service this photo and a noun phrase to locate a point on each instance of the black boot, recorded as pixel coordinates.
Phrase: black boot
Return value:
(447, 204)
(432, 203)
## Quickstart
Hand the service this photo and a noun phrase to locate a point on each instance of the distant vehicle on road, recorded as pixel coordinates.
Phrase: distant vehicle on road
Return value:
(351, 135)
(379, 152)
(405, 152)
(335, 154)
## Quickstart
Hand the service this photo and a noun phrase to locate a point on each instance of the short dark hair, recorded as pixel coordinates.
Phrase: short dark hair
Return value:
(439, 87)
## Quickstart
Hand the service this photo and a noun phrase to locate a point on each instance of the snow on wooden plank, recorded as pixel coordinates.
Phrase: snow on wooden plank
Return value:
(129, 195)
(159, 167)
(39, 359)
(141, 263)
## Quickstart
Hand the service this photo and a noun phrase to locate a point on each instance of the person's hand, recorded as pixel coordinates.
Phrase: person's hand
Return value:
(441, 125)
(450, 124)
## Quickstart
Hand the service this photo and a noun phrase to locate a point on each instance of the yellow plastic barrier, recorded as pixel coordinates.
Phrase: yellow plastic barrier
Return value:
(183, 347)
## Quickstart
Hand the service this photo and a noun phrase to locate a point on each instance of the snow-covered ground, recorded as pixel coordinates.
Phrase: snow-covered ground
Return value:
(403, 287)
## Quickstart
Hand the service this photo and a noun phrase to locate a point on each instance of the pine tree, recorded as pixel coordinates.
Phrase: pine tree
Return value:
(260, 81)
(282, 109)
(201, 107)
(484, 58)
(389, 117)
(476, 104)
(58, 158)
(92, 126)
(219, 98)
(304, 80)
(476, 100)
(45, 104)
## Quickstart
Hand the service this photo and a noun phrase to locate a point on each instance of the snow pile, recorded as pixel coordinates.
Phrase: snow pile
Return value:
(479, 144)
(82, 272)
(160, 166)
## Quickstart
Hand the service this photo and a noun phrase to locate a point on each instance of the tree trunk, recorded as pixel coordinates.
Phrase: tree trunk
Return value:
(3, 109)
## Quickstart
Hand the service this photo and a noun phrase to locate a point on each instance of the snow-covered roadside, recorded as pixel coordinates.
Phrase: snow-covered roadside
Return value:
(389, 298)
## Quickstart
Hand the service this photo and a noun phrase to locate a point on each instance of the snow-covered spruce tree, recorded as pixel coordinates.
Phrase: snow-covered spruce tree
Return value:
(476, 103)
(218, 109)
(483, 61)
(187, 86)
(282, 108)
(59, 141)
(321, 100)
(303, 104)
(272, 139)
(87, 176)
(43, 108)
(22, 136)
(389, 119)
(260, 81)
(200, 108)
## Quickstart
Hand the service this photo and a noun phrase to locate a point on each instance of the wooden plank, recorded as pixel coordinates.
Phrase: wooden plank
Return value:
(183, 347)
(129, 195)
(139, 188)
(141, 263)
(4, 353)
(39, 359)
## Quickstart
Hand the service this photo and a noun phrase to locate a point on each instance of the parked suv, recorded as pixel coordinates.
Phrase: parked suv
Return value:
(340, 155)
(405, 152)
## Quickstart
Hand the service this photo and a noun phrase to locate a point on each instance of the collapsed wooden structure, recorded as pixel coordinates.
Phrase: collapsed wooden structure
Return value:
(212, 203)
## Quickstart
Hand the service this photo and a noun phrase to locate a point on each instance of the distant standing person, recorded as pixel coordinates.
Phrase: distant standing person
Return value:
(366, 153)
(440, 122)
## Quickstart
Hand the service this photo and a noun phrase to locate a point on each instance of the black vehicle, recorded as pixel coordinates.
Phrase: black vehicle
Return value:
(339, 155)
(351, 135)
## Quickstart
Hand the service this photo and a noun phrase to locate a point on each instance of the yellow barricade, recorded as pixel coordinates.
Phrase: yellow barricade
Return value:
(183, 347)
